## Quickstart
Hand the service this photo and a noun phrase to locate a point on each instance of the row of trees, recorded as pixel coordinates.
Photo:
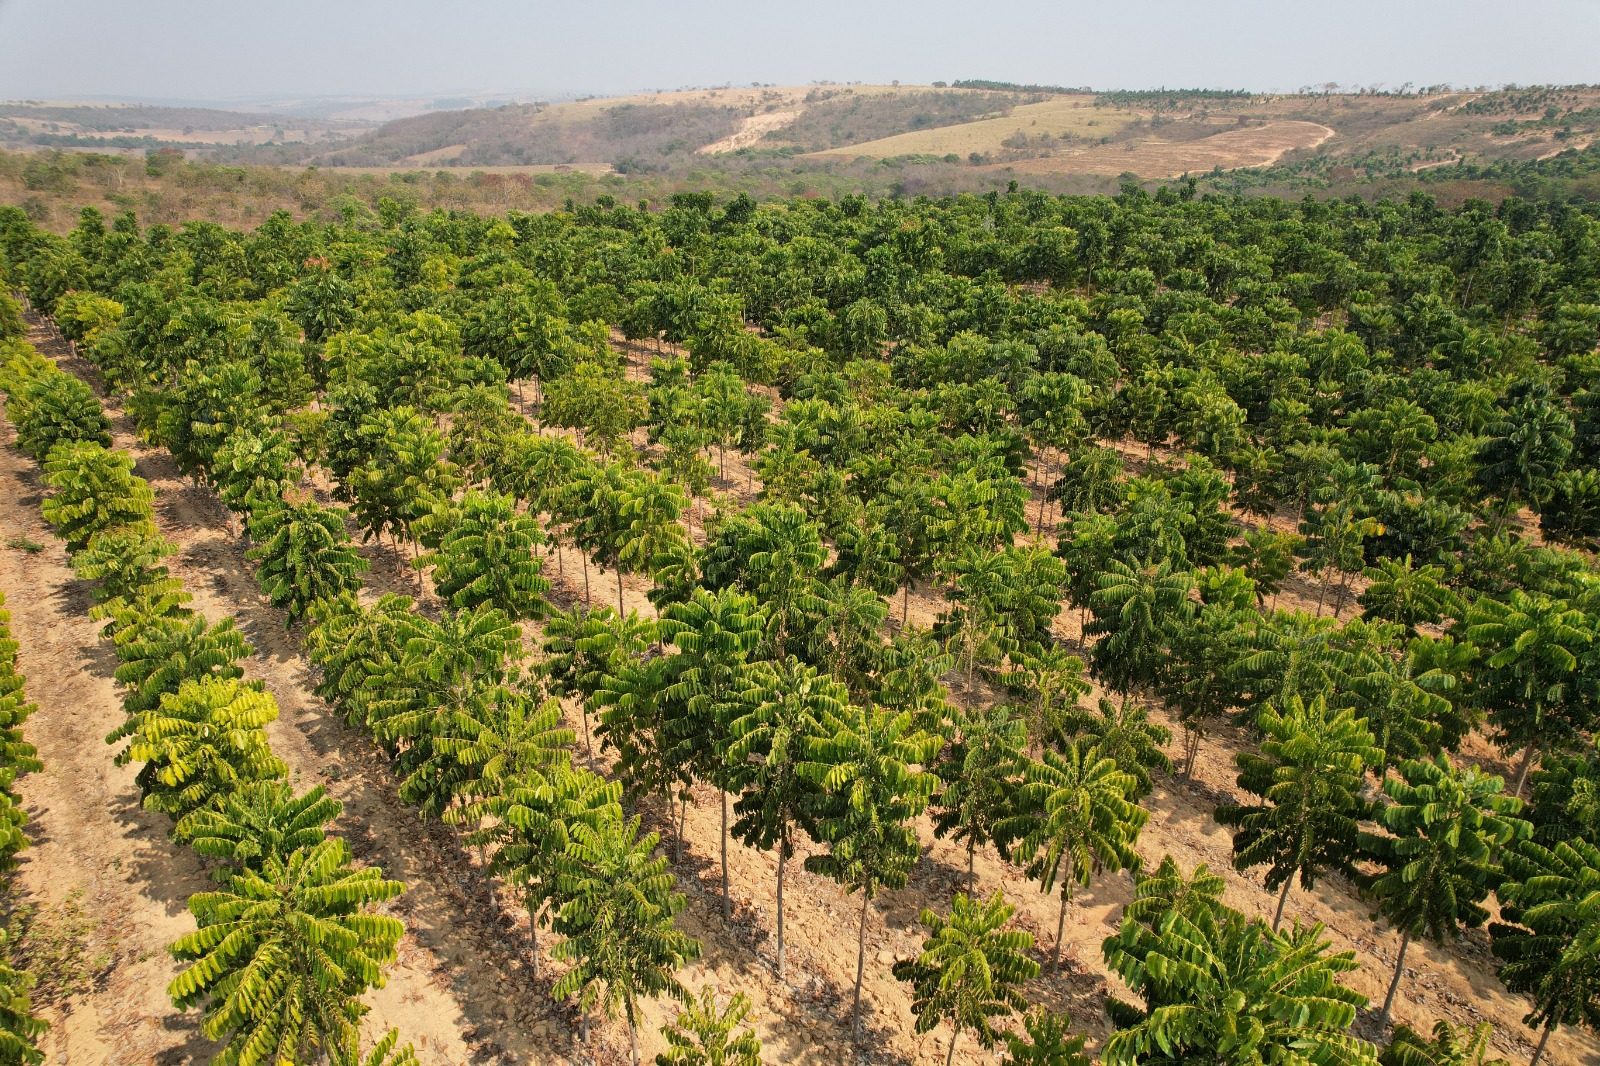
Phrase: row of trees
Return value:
(19, 1027)
(289, 942)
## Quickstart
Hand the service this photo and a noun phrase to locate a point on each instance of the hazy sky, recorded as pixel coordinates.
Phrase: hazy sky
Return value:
(232, 49)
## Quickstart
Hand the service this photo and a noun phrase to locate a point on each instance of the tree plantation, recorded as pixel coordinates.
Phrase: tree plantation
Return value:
(1142, 629)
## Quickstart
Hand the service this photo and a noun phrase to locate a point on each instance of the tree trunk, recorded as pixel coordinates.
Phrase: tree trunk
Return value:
(1528, 753)
(948, 1059)
(1283, 897)
(905, 604)
(861, 966)
(633, 1042)
(533, 941)
(1538, 1052)
(586, 600)
(727, 907)
(1394, 983)
(683, 818)
(588, 745)
(620, 612)
(783, 859)
(972, 877)
(1061, 930)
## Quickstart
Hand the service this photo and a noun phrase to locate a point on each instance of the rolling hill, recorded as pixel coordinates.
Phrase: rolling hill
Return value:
(1026, 130)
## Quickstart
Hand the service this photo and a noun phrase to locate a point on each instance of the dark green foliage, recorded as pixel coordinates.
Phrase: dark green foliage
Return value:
(1219, 989)
(970, 970)
(305, 555)
(1308, 776)
(486, 554)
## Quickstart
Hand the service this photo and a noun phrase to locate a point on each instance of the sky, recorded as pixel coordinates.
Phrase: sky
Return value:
(237, 50)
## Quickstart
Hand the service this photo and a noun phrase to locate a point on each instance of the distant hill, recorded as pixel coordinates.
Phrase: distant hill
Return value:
(144, 126)
(1029, 132)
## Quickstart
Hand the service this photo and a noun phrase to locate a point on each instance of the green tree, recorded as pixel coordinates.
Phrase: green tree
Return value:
(1529, 647)
(283, 953)
(1218, 990)
(51, 407)
(1408, 595)
(1138, 611)
(1124, 734)
(263, 822)
(1308, 776)
(19, 1027)
(599, 401)
(93, 490)
(970, 970)
(159, 653)
(979, 774)
(200, 743)
(529, 820)
(1525, 449)
(1048, 1041)
(402, 474)
(713, 635)
(781, 711)
(1076, 818)
(617, 919)
(305, 555)
(486, 554)
(1445, 827)
(1549, 938)
(864, 765)
(704, 1034)
(1451, 1046)
(585, 646)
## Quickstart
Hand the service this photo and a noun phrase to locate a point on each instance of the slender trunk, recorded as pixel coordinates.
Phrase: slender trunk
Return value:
(727, 907)
(586, 600)
(1061, 930)
(1283, 897)
(948, 1059)
(633, 1041)
(972, 877)
(583, 1029)
(588, 746)
(783, 859)
(905, 604)
(533, 941)
(619, 592)
(1538, 1052)
(683, 818)
(861, 966)
(1522, 770)
(1061, 914)
(1394, 983)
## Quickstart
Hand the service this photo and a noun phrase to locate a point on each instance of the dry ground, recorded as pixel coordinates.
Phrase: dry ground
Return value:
(1250, 146)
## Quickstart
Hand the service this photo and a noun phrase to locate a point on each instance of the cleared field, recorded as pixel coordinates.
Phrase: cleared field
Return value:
(1060, 116)
(1254, 146)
